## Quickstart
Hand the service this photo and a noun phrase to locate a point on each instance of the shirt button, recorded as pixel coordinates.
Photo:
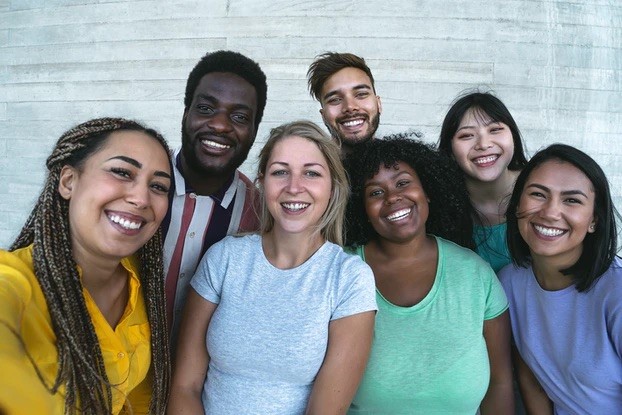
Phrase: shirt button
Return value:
(193, 196)
(191, 235)
(182, 275)
(121, 355)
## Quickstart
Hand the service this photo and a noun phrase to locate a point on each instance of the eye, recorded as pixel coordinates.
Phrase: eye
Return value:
(374, 193)
(160, 187)
(333, 101)
(205, 109)
(464, 136)
(537, 194)
(362, 94)
(313, 173)
(496, 129)
(240, 118)
(574, 201)
(121, 172)
(402, 183)
(277, 173)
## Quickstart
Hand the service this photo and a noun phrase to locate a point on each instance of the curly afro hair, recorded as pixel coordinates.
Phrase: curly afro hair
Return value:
(450, 212)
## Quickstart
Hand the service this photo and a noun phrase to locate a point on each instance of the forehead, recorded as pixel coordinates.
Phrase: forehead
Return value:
(475, 116)
(135, 144)
(560, 175)
(397, 169)
(299, 149)
(345, 79)
(228, 88)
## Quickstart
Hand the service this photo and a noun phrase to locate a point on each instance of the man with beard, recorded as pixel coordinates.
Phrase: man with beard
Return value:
(223, 106)
(344, 86)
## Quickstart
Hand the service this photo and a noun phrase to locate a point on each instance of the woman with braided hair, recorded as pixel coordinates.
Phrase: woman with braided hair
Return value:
(82, 316)
(442, 337)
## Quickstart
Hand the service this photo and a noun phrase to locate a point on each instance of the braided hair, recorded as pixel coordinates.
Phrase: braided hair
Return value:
(80, 360)
(442, 181)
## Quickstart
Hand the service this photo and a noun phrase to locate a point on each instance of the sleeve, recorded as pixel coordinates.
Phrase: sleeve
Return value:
(21, 391)
(208, 278)
(613, 312)
(357, 291)
(496, 301)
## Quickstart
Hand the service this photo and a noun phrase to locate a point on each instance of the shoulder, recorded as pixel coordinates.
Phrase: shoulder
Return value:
(234, 244)
(17, 274)
(248, 183)
(609, 285)
(512, 275)
(453, 253)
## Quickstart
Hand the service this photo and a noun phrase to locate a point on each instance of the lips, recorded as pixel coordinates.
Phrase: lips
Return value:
(215, 143)
(485, 161)
(400, 214)
(126, 221)
(295, 206)
(548, 232)
(352, 122)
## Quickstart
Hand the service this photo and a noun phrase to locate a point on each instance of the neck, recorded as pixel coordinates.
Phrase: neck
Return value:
(490, 199)
(204, 184)
(549, 276)
(98, 272)
(286, 250)
(414, 249)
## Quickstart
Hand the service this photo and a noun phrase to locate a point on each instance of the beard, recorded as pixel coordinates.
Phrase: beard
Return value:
(195, 164)
(357, 139)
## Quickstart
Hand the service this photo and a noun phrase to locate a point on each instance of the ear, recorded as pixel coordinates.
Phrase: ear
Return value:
(379, 104)
(592, 227)
(66, 181)
(322, 112)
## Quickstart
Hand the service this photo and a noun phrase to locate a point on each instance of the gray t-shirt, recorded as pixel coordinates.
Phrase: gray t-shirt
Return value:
(268, 336)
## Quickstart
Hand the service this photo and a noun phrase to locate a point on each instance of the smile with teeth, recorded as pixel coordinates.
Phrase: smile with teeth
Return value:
(125, 223)
(214, 144)
(486, 159)
(400, 214)
(295, 206)
(353, 123)
(548, 231)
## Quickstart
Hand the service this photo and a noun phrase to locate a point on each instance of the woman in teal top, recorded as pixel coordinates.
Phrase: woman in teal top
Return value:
(480, 134)
(441, 341)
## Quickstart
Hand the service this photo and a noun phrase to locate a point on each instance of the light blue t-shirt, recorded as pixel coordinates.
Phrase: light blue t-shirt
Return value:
(571, 341)
(268, 336)
(491, 244)
(432, 358)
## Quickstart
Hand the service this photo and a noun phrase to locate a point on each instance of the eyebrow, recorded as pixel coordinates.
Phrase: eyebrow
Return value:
(486, 124)
(356, 88)
(395, 176)
(564, 193)
(139, 165)
(283, 163)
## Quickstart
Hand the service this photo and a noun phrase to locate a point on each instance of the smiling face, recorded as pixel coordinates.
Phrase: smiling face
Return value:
(482, 147)
(297, 185)
(396, 204)
(350, 108)
(117, 197)
(218, 128)
(555, 212)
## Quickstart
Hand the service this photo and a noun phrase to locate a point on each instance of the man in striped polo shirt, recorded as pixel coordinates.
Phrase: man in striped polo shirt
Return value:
(224, 103)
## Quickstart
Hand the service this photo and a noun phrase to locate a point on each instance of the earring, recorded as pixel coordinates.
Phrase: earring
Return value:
(592, 227)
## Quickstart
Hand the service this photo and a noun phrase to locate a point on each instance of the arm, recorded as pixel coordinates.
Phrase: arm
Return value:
(349, 344)
(192, 357)
(499, 398)
(534, 397)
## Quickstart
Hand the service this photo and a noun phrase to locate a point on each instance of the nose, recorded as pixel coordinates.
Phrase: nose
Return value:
(392, 197)
(294, 185)
(219, 122)
(551, 209)
(483, 142)
(138, 195)
(350, 104)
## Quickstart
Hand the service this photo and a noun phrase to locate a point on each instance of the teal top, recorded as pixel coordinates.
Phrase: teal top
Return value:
(431, 358)
(491, 244)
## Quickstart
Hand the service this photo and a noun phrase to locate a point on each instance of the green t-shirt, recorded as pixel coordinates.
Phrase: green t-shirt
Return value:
(492, 245)
(431, 358)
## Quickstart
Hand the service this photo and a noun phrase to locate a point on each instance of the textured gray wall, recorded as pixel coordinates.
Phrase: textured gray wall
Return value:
(556, 64)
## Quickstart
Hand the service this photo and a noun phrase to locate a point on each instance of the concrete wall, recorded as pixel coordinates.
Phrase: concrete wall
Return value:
(556, 64)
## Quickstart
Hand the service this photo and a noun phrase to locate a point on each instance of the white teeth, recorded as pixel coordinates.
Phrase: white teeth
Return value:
(484, 160)
(352, 123)
(214, 144)
(400, 214)
(548, 231)
(295, 206)
(124, 222)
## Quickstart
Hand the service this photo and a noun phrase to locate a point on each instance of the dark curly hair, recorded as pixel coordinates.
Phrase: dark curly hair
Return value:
(450, 210)
(231, 62)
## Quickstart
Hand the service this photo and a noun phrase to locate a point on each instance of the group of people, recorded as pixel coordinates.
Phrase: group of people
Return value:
(357, 274)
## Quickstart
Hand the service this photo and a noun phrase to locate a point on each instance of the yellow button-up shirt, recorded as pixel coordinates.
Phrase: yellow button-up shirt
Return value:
(126, 349)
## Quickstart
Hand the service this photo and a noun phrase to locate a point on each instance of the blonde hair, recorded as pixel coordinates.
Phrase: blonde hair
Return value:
(332, 222)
